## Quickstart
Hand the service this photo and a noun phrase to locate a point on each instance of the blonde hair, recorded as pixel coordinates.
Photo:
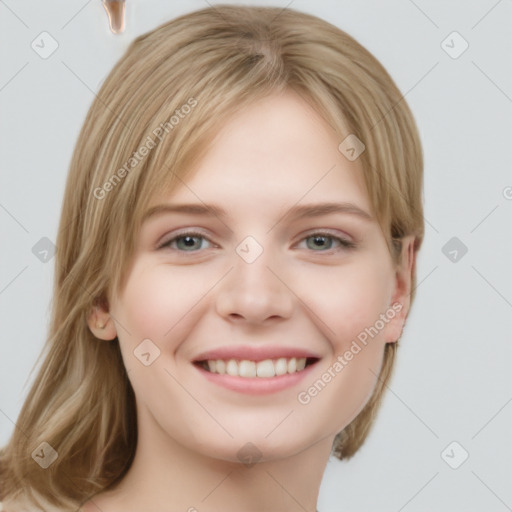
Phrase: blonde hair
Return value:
(215, 61)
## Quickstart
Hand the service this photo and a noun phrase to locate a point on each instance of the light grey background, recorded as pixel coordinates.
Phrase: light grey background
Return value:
(453, 378)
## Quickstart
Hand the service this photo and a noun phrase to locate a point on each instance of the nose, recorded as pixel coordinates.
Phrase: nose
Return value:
(257, 292)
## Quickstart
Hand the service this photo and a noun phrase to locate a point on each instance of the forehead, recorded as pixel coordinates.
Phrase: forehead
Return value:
(277, 150)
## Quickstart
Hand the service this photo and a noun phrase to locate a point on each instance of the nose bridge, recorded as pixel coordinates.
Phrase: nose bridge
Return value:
(253, 290)
(254, 261)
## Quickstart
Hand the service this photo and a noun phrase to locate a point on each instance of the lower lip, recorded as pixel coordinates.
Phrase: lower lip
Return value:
(256, 385)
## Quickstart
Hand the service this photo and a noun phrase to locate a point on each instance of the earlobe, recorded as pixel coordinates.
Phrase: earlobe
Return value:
(401, 301)
(101, 323)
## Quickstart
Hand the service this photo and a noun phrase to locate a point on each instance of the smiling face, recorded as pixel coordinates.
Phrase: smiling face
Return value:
(265, 278)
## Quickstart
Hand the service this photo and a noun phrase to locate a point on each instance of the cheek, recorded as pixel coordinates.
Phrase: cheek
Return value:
(153, 304)
(349, 302)
(348, 299)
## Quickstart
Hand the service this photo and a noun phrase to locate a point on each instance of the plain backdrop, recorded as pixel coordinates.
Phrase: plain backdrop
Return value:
(442, 437)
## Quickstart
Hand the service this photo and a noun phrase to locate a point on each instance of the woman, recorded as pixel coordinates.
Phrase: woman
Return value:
(220, 375)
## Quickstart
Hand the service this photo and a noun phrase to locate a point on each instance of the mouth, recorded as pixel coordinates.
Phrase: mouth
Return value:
(256, 370)
(263, 369)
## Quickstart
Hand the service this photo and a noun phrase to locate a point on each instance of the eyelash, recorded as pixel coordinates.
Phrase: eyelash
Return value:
(345, 244)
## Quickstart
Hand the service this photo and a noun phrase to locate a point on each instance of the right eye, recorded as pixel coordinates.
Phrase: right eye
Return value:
(185, 242)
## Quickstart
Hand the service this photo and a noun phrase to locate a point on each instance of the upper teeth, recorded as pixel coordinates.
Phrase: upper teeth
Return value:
(266, 368)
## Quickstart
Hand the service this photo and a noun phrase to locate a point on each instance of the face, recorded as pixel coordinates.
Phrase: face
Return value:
(263, 280)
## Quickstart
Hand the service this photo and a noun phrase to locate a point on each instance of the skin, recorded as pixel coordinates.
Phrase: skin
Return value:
(298, 292)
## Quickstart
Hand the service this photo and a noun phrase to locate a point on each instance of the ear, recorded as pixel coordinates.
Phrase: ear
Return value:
(401, 299)
(101, 322)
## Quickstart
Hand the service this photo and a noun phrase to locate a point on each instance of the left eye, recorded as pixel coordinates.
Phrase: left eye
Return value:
(189, 242)
(322, 237)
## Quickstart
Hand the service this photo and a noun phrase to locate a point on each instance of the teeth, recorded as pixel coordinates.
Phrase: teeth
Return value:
(281, 366)
(220, 366)
(232, 367)
(248, 369)
(264, 369)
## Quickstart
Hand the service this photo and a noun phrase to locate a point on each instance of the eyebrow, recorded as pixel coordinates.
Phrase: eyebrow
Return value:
(295, 212)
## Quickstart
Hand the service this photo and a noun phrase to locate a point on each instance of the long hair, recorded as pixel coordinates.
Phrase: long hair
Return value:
(169, 93)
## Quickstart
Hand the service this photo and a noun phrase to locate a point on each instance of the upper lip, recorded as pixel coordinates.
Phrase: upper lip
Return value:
(252, 353)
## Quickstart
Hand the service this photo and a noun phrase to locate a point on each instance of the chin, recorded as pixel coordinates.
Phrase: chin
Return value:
(257, 448)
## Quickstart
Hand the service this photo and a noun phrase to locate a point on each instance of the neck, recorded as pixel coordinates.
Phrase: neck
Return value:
(166, 475)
